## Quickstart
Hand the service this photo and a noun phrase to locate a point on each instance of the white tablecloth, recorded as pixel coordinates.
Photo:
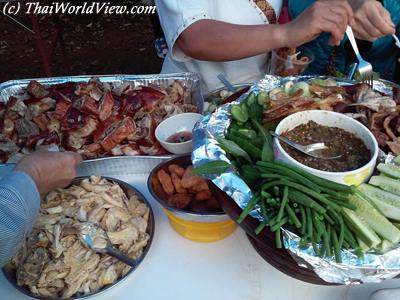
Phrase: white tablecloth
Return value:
(176, 268)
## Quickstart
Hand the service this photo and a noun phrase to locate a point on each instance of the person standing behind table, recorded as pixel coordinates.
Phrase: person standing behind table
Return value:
(20, 191)
(233, 37)
(160, 45)
(374, 23)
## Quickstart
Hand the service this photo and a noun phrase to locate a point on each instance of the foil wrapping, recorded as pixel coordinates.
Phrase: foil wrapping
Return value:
(371, 268)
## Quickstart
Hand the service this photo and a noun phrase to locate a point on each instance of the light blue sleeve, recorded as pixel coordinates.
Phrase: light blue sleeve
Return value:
(19, 206)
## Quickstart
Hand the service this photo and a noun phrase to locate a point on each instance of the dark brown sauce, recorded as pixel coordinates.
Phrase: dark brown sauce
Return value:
(180, 137)
(340, 142)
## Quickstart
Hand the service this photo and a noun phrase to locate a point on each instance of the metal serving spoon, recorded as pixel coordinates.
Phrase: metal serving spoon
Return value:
(310, 150)
(96, 238)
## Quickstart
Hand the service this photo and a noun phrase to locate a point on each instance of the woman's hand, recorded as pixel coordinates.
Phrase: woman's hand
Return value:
(371, 20)
(323, 16)
(50, 170)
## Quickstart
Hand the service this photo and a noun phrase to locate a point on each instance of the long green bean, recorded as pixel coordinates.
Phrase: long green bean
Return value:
(342, 203)
(309, 223)
(301, 198)
(290, 173)
(336, 246)
(303, 220)
(283, 203)
(261, 226)
(339, 220)
(250, 206)
(293, 216)
(318, 180)
(318, 225)
(278, 240)
(279, 224)
(304, 190)
(326, 240)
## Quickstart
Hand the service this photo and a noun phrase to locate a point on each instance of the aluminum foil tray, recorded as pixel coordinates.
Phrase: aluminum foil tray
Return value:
(189, 80)
(112, 165)
(373, 268)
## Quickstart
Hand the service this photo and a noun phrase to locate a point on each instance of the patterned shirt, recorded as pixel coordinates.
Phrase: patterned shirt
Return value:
(19, 207)
(267, 9)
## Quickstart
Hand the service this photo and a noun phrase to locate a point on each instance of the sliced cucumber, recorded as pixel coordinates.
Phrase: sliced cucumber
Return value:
(324, 82)
(273, 93)
(387, 203)
(384, 247)
(386, 183)
(361, 228)
(390, 170)
(262, 98)
(363, 246)
(301, 85)
(287, 86)
(375, 219)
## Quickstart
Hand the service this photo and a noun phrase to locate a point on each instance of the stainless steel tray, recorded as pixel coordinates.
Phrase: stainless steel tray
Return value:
(129, 191)
(109, 166)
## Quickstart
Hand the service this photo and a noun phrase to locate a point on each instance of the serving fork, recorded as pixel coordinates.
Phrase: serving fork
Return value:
(364, 67)
(396, 39)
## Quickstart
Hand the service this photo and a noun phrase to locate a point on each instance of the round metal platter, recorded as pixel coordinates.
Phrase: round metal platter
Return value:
(129, 190)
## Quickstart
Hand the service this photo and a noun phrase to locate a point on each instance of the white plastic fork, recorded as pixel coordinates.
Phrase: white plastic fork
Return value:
(364, 67)
(396, 39)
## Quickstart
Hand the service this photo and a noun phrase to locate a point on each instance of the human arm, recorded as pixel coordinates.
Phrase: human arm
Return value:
(371, 20)
(20, 193)
(219, 41)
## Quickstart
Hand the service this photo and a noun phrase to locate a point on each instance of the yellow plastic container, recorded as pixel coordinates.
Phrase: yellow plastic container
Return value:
(205, 232)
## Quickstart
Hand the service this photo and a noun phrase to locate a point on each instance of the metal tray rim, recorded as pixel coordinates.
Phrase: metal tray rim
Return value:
(116, 77)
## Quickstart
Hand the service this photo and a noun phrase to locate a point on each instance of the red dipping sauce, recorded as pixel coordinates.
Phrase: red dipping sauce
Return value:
(180, 137)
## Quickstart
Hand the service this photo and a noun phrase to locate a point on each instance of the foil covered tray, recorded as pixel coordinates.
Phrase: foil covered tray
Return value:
(372, 268)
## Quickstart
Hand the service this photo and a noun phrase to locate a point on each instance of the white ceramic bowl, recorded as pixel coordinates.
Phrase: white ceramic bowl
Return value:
(174, 124)
(332, 119)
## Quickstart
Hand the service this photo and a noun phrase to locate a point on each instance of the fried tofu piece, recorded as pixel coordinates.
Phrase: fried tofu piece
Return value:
(201, 186)
(175, 169)
(166, 182)
(190, 179)
(158, 189)
(203, 195)
(177, 184)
